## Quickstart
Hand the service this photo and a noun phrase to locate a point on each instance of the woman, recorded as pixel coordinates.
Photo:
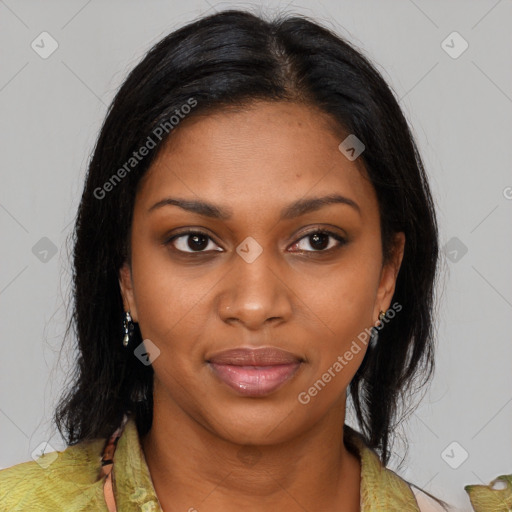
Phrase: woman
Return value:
(256, 241)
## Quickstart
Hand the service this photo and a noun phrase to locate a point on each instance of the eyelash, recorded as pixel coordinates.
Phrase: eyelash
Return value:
(341, 241)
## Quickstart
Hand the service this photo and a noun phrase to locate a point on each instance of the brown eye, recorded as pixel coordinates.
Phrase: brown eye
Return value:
(191, 241)
(319, 241)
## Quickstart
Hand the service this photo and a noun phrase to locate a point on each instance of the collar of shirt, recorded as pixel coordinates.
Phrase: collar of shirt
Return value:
(381, 488)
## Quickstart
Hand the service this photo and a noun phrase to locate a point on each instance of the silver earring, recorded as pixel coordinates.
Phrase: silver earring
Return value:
(128, 329)
(374, 337)
(375, 332)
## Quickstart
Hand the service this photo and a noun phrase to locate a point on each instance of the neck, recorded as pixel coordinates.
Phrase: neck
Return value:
(193, 466)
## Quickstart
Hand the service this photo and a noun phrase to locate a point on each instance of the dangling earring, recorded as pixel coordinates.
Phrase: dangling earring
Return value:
(374, 337)
(128, 329)
(375, 332)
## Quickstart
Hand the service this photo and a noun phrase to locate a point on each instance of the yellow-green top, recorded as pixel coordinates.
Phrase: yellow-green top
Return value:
(71, 480)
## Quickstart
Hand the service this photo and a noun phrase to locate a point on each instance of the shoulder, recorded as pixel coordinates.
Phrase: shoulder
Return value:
(381, 487)
(72, 476)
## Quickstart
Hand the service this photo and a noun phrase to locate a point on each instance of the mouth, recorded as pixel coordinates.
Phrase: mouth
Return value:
(254, 380)
(254, 372)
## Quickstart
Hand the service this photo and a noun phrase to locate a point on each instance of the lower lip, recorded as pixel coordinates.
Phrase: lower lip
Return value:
(254, 380)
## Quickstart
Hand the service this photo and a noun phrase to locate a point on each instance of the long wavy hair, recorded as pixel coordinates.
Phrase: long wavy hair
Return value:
(230, 59)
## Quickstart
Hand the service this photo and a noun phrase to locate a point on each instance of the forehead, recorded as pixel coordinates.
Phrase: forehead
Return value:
(270, 150)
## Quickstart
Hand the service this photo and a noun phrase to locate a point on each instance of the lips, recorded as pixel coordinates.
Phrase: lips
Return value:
(254, 372)
(264, 356)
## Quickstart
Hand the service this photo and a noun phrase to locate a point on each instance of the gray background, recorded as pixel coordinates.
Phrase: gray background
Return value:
(460, 110)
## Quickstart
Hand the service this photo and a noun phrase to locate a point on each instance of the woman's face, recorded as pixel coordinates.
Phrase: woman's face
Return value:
(256, 276)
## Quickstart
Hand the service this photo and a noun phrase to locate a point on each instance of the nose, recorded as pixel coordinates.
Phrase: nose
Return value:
(255, 293)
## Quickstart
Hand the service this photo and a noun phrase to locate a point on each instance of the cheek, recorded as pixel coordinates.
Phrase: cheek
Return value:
(165, 292)
(342, 311)
(343, 299)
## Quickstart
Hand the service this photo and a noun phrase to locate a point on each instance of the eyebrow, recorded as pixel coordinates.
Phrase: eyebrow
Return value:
(293, 210)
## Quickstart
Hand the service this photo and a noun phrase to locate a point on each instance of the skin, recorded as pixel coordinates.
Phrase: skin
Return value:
(210, 448)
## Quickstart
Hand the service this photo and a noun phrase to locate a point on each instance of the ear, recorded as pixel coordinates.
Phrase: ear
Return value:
(126, 285)
(388, 276)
